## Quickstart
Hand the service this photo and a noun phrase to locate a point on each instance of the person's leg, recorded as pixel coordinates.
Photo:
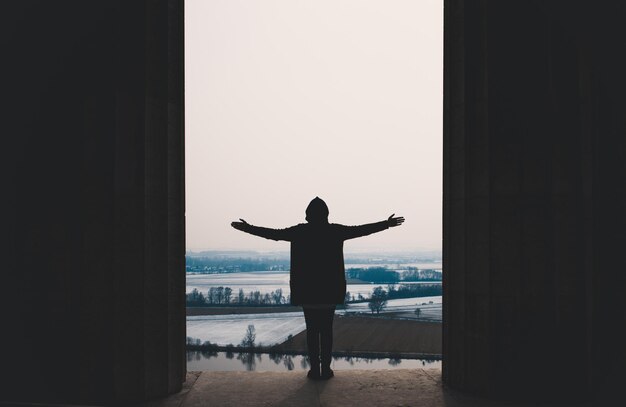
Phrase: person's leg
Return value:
(326, 341)
(311, 318)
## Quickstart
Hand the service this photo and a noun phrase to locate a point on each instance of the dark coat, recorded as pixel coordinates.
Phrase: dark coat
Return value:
(317, 271)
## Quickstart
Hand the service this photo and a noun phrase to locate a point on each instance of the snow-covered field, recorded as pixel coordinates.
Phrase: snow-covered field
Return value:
(430, 307)
(276, 327)
(257, 280)
(263, 281)
(230, 329)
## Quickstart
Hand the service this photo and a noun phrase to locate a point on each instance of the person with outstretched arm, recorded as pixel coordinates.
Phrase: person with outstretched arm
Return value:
(317, 277)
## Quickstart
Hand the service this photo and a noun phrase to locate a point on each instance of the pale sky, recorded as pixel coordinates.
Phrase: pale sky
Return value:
(291, 99)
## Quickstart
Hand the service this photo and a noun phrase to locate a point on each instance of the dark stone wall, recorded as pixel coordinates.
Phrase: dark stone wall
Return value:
(92, 292)
(534, 197)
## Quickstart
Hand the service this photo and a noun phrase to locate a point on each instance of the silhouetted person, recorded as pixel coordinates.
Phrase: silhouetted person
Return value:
(317, 277)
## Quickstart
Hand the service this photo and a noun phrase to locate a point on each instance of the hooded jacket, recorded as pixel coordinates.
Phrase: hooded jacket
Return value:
(317, 273)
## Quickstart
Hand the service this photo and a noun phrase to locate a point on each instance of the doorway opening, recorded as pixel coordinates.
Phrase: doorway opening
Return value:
(286, 101)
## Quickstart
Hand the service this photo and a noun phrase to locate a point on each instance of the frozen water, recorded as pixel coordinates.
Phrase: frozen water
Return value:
(222, 361)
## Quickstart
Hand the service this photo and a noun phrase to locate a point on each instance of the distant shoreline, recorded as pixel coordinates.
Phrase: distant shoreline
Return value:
(355, 354)
(226, 310)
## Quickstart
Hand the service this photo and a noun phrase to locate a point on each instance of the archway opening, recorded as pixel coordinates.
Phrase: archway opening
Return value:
(288, 101)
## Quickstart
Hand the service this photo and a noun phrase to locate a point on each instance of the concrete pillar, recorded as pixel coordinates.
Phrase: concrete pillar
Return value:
(533, 198)
(93, 289)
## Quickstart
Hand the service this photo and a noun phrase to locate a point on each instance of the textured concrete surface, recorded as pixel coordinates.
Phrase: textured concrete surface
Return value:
(362, 388)
(176, 399)
(401, 387)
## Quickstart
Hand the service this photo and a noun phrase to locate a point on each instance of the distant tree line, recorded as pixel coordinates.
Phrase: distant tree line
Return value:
(232, 265)
(386, 276)
(225, 296)
(414, 290)
(413, 274)
(373, 274)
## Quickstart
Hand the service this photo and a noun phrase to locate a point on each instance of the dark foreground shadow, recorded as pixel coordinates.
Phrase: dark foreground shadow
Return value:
(307, 395)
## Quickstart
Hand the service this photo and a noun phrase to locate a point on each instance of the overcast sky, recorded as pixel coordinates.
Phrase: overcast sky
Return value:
(291, 99)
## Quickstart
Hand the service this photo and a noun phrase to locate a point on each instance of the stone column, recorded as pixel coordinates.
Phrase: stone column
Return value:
(533, 198)
(93, 284)
(149, 249)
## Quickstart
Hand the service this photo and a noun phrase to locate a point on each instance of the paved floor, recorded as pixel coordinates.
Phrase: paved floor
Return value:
(362, 388)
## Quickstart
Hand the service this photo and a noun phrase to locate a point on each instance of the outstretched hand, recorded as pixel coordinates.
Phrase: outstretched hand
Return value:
(392, 222)
(243, 225)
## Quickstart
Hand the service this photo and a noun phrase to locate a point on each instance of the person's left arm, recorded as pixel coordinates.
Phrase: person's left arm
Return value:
(351, 232)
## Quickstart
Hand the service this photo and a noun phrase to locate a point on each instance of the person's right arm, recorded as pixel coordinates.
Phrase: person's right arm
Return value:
(268, 233)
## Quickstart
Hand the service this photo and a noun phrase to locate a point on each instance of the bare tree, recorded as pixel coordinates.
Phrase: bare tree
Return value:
(228, 293)
(219, 295)
(241, 296)
(278, 296)
(195, 298)
(249, 337)
(378, 300)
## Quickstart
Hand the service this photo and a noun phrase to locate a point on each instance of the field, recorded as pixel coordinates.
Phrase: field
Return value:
(364, 334)
(271, 328)
(352, 333)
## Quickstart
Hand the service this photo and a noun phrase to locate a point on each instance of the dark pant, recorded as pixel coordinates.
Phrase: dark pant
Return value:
(319, 335)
